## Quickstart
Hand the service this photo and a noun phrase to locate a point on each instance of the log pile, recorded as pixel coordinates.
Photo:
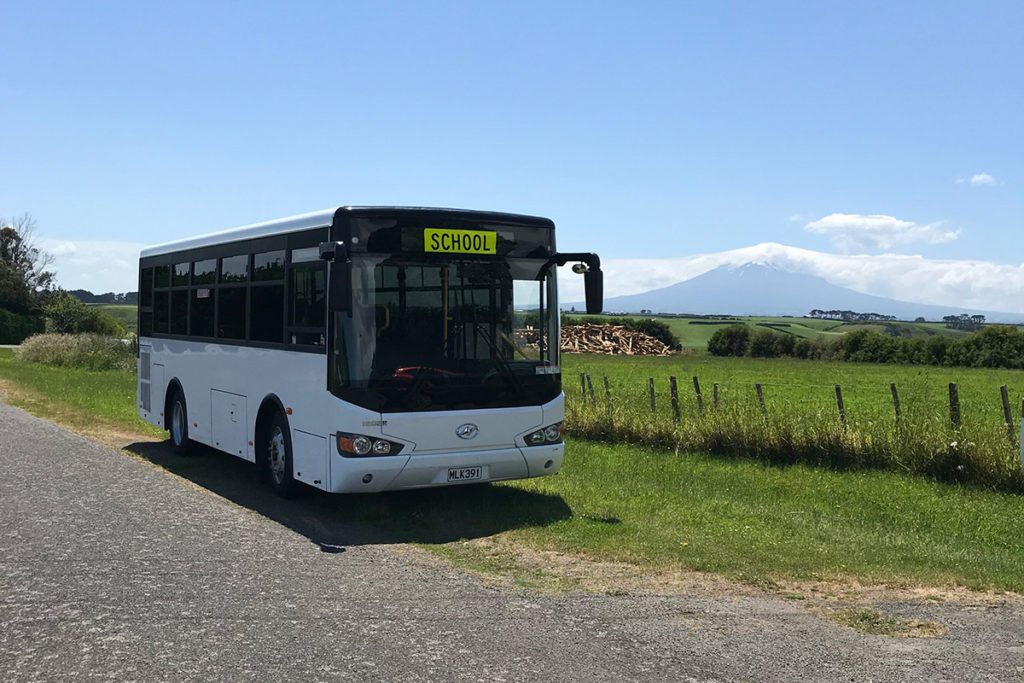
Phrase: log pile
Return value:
(611, 339)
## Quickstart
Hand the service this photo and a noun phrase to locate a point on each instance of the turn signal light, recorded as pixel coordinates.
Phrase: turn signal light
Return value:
(548, 435)
(350, 445)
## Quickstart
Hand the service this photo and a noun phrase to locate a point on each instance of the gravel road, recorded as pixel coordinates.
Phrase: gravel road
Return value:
(111, 568)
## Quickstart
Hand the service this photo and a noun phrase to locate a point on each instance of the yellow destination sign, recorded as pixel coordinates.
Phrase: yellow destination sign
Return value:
(448, 241)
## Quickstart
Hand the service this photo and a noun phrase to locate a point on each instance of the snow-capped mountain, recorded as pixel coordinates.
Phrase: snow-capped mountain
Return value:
(763, 288)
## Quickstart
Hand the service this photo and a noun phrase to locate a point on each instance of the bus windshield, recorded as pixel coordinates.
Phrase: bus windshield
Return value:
(447, 333)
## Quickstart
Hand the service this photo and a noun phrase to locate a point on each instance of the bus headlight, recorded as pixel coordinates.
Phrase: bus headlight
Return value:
(548, 435)
(359, 444)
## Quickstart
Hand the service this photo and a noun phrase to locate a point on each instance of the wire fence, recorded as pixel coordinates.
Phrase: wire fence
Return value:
(950, 434)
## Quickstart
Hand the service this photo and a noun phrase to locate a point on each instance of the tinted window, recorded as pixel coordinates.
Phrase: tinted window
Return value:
(202, 312)
(163, 276)
(234, 268)
(179, 311)
(160, 310)
(146, 288)
(180, 274)
(145, 323)
(308, 303)
(203, 271)
(231, 312)
(266, 314)
(268, 266)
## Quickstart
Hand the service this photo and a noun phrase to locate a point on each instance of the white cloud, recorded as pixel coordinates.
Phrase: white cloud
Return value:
(979, 180)
(97, 265)
(851, 231)
(981, 285)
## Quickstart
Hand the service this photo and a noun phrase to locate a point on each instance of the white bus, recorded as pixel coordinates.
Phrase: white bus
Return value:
(362, 349)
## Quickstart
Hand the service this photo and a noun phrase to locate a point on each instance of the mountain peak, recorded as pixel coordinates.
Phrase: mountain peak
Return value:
(763, 287)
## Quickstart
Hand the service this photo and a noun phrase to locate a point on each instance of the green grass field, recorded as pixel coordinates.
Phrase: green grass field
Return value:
(656, 509)
(122, 313)
(754, 521)
(801, 420)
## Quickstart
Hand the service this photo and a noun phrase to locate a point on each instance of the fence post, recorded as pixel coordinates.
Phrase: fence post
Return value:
(839, 404)
(895, 399)
(583, 385)
(674, 391)
(650, 392)
(1022, 435)
(1007, 414)
(607, 397)
(590, 387)
(760, 398)
(714, 395)
(700, 399)
(954, 405)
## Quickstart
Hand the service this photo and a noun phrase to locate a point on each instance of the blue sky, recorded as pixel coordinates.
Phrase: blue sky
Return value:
(646, 130)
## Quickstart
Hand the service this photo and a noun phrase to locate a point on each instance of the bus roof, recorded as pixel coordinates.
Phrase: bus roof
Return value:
(324, 218)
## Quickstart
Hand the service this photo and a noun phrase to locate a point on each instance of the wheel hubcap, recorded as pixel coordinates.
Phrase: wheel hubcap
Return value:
(177, 423)
(276, 457)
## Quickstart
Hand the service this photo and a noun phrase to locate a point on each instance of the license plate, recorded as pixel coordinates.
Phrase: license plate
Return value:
(449, 241)
(464, 473)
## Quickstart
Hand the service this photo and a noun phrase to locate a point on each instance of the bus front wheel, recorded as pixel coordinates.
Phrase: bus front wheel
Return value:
(278, 460)
(178, 424)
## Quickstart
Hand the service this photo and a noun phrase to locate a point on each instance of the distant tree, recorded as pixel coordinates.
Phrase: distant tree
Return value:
(25, 277)
(919, 319)
(964, 322)
(65, 314)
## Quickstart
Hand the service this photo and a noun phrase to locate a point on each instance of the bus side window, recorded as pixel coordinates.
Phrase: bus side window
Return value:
(307, 310)
(161, 308)
(266, 297)
(146, 302)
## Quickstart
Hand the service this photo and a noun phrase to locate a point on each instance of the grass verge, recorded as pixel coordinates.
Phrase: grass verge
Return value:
(86, 401)
(656, 511)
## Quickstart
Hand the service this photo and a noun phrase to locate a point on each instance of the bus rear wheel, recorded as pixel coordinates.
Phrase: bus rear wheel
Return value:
(278, 457)
(178, 424)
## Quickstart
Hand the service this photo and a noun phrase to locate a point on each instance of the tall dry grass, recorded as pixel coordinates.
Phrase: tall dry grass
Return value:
(981, 451)
(85, 351)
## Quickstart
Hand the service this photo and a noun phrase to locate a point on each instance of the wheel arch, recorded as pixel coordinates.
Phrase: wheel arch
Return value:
(269, 406)
(173, 387)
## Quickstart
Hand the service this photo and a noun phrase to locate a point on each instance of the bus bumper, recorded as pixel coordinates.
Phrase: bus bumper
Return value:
(424, 470)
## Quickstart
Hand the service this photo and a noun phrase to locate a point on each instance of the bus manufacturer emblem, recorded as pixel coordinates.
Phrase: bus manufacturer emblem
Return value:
(467, 431)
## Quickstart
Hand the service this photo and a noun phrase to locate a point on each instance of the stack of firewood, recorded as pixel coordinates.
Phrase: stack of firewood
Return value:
(608, 339)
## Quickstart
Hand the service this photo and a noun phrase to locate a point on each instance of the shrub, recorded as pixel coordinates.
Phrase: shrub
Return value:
(763, 344)
(15, 327)
(65, 314)
(85, 351)
(733, 340)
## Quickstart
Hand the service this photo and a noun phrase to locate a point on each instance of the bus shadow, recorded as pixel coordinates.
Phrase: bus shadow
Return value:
(436, 515)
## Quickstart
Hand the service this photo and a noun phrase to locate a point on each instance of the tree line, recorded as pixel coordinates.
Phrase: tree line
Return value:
(849, 316)
(996, 346)
(30, 301)
(87, 297)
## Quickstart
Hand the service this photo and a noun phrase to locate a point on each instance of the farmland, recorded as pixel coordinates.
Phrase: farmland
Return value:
(122, 313)
(694, 332)
(800, 420)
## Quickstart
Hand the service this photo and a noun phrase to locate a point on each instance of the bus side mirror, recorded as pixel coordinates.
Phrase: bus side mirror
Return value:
(339, 280)
(593, 285)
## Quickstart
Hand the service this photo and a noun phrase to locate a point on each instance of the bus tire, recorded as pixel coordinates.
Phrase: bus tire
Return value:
(177, 424)
(277, 447)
